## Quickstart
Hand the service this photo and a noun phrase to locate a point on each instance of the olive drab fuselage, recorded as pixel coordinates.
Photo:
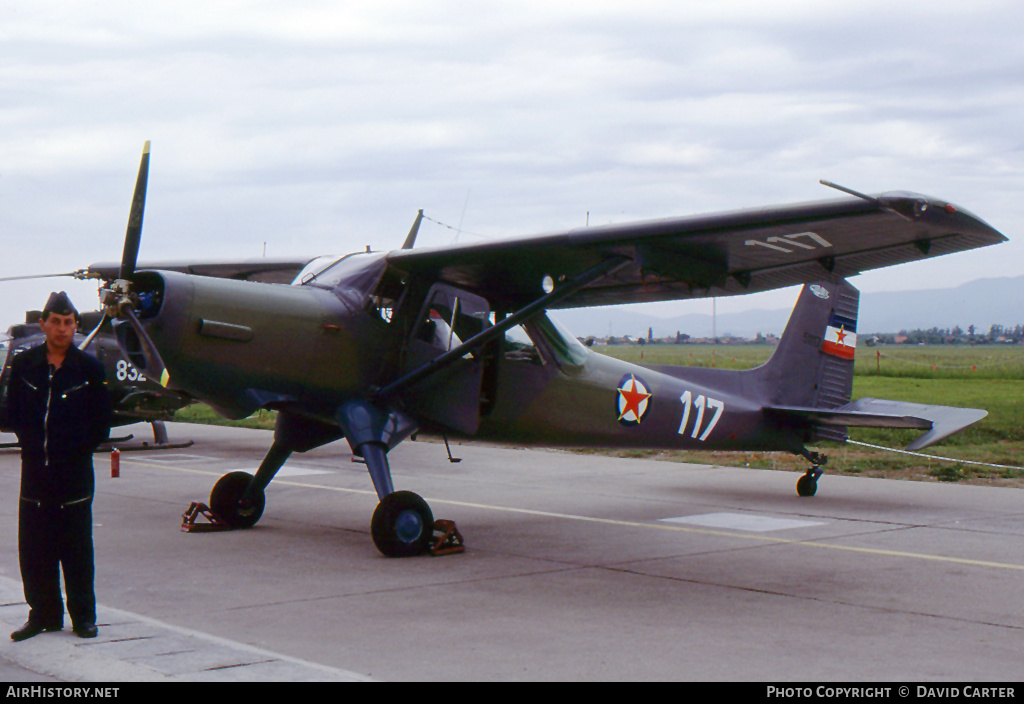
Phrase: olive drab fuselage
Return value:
(310, 349)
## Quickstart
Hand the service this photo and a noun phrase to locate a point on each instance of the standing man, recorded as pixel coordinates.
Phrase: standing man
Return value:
(60, 410)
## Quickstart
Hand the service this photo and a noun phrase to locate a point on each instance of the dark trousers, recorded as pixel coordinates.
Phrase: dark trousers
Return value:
(51, 538)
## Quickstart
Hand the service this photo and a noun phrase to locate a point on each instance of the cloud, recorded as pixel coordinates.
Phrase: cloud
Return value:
(324, 126)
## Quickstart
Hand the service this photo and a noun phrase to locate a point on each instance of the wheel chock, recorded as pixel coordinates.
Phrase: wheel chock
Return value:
(188, 520)
(450, 540)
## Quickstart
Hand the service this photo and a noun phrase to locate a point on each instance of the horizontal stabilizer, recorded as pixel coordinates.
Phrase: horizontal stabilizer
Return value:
(939, 421)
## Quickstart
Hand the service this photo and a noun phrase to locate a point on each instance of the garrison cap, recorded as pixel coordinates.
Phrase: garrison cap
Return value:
(60, 304)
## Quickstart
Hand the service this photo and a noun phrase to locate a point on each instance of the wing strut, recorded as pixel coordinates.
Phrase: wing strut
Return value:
(564, 291)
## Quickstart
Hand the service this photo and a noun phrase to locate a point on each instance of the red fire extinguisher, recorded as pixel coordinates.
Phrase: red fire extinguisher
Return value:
(115, 463)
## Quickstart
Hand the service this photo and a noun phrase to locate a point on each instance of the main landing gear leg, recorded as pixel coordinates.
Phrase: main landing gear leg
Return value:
(238, 498)
(402, 524)
(807, 485)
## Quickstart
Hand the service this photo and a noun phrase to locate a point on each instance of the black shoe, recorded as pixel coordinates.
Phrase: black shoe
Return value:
(86, 630)
(32, 629)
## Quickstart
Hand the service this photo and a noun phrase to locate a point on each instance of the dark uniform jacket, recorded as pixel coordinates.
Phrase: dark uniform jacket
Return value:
(60, 416)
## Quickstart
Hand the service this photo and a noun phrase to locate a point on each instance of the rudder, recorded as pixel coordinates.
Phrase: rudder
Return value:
(813, 364)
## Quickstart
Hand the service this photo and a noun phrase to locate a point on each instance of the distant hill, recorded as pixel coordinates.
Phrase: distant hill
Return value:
(981, 303)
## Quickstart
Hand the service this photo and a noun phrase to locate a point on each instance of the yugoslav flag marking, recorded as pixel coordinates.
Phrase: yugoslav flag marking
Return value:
(840, 337)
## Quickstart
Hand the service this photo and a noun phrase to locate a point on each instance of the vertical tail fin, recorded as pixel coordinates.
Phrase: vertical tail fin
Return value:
(813, 364)
(809, 379)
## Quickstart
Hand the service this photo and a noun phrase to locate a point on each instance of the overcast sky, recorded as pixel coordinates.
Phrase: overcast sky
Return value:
(321, 127)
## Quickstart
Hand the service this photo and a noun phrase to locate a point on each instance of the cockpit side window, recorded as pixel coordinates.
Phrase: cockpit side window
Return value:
(388, 295)
(525, 342)
(519, 347)
(451, 317)
(568, 351)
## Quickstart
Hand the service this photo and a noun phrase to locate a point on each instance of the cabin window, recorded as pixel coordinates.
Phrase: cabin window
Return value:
(541, 332)
(567, 350)
(387, 295)
(519, 347)
(451, 317)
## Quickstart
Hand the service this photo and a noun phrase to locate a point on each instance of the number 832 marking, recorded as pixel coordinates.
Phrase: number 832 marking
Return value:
(126, 371)
(701, 404)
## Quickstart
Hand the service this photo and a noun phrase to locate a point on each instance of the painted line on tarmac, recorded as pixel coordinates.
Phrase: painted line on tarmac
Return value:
(136, 648)
(638, 524)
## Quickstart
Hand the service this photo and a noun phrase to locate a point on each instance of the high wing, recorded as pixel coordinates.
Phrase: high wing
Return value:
(272, 271)
(721, 254)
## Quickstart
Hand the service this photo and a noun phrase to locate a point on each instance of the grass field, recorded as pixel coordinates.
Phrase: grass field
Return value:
(934, 362)
(984, 376)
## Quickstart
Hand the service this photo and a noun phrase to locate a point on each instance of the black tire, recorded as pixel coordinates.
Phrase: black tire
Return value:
(402, 525)
(806, 486)
(226, 501)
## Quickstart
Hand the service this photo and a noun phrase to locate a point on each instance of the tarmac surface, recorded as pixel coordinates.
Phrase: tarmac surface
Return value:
(577, 567)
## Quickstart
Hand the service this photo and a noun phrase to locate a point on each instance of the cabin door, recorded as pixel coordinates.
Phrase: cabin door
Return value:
(450, 396)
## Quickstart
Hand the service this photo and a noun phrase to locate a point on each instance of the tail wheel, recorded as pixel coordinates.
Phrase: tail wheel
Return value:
(402, 525)
(226, 500)
(807, 485)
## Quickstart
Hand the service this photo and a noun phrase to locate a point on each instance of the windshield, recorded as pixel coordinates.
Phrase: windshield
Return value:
(314, 267)
(358, 272)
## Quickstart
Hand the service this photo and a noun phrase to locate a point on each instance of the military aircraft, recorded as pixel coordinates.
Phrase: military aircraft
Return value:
(134, 397)
(374, 345)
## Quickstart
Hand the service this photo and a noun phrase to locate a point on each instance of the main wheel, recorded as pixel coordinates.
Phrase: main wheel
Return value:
(226, 500)
(807, 485)
(402, 525)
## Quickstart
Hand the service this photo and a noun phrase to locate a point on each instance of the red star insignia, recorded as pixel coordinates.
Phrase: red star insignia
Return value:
(632, 399)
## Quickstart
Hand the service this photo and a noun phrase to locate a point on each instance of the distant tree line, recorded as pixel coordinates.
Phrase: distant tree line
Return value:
(997, 334)
(682, 338)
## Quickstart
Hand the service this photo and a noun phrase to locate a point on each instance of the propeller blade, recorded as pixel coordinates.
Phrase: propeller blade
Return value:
(155, 368)
(88, 339)
(133, 236)
(36, 276)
